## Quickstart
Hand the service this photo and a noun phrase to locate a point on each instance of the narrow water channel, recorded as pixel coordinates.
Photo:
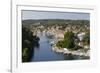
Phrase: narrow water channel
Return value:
(45, 53)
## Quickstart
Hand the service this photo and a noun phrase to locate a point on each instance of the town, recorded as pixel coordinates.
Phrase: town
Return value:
(65, 36)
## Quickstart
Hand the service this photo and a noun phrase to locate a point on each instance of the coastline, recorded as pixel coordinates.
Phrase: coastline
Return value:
(81, 52)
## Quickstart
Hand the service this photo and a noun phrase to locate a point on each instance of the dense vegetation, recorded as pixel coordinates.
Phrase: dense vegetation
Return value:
(28, 43)
(55, 22)
(86, 39)
(68, 41)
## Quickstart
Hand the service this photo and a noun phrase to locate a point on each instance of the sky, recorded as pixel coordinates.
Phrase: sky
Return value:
(29, 14)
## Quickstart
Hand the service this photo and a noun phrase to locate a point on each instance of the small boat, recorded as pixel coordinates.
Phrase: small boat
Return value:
(52, 43)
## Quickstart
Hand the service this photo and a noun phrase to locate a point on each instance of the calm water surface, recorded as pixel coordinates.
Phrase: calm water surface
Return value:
(45, 53)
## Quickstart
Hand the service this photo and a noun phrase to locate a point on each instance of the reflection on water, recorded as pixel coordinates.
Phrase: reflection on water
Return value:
(45, 53)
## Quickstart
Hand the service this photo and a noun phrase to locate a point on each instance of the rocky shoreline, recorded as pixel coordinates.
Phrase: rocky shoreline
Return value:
(81, 52)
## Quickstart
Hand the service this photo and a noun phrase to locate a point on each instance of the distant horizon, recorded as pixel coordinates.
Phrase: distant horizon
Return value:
(55, 19)
(39, 15)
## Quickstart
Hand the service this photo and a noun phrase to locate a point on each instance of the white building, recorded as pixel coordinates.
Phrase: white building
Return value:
(81, 36)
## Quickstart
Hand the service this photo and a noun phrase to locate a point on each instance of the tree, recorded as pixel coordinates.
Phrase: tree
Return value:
(86, 39)
(69, 35)
(29, 42)
(68, 41)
